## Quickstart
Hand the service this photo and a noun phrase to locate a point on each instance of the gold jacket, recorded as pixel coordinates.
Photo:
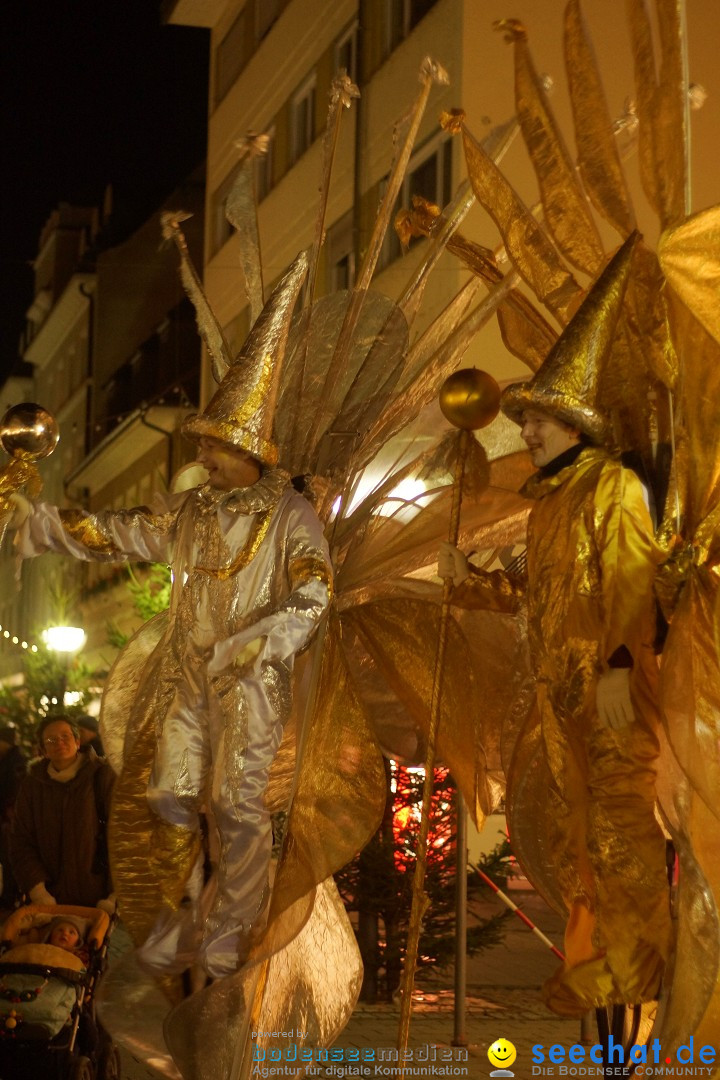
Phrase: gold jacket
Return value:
(581, 795)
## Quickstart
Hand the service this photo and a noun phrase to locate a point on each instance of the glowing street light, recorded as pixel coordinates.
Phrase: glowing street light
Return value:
(64, 639)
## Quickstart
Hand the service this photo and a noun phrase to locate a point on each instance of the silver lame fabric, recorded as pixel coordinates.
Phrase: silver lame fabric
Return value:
(248, 565)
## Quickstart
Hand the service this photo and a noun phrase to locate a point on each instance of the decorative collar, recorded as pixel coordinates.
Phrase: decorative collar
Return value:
(262, 495)
(570, 461)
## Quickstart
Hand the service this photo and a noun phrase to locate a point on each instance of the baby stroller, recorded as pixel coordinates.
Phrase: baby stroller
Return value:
(48, 1027)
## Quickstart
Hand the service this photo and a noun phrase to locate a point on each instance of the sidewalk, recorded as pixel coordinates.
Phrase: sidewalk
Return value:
(503, 1001)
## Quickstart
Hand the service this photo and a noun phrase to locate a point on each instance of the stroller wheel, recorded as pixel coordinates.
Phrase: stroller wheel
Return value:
(81, 1069)
(109, 1063)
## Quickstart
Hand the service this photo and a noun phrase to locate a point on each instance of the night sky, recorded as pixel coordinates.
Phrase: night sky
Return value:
(93, 93)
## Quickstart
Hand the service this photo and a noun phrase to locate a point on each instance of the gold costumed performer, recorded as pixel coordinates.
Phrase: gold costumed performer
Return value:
(591, 561)
(251, 581)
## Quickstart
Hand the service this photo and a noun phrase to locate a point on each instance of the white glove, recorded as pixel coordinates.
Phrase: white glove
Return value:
(21, 511)
(613, 699)
(39, 895)
(452, 563)
(108, 905)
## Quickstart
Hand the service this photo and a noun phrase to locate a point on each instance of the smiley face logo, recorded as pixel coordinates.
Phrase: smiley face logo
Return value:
(502, 1053)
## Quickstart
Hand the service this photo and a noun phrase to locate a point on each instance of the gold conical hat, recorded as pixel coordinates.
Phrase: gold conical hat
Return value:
(242, 408)
(566, 384)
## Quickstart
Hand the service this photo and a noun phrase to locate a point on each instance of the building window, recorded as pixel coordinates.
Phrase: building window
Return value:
(265, 168)
(340, 253)
(266, 12)
(346, 51)
(302, 118)
(403, 16)
(230, 57)
(221, 229)
(430, 176)
(237, 330)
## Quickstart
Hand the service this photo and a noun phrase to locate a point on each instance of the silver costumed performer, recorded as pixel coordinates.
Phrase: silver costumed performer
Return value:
(251, 581)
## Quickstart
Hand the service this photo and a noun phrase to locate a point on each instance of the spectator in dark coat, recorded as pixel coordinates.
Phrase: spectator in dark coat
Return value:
(89, 735)
(58, 848)
(12, 769)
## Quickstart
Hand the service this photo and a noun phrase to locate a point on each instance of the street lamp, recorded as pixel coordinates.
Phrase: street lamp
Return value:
(64, 639)
(67, 641)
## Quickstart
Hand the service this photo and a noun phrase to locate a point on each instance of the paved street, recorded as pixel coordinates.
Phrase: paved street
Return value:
(503, 1002)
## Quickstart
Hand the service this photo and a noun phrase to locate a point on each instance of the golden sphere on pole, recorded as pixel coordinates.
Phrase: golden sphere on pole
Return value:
(470, 399)
(28, 431)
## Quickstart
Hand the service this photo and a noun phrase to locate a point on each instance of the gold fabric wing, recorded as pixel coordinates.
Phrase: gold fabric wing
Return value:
(598, 157)
(566, 209)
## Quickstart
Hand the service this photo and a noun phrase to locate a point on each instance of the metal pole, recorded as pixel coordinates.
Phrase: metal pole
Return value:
(419, 899)
(460, 1033)
(686, 105)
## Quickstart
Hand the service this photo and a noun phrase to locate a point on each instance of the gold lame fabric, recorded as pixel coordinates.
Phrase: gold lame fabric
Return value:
(151, 859)
(208, 326)
(699, 400)
(242, 410)
(529, 247)
(299, 998)
(589, 825)
(241, 212)
(661, 108)
(525, 332)
(339, 795)
(401, 637)
(19, 473)
(566, 385)
(373, 361)
(304, 973)
(691, 658)
(598, 157)
(690, 258)
(566, 209)
(691, 712)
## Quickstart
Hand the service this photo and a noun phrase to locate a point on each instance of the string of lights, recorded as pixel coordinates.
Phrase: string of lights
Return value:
(7, 635)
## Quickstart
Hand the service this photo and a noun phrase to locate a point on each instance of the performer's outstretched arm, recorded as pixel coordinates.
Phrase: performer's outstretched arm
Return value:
(107, 536)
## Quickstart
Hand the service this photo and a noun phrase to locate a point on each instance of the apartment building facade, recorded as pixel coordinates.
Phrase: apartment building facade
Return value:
(271, 70)
(272, 62)
(111, 350)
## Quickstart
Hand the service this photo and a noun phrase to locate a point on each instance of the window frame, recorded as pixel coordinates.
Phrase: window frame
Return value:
(348, 36)
(408, 23)
(439, 146)
(305, 93)
(261, 18)
(220, 228)
(222, 87)
(265, 168)
(339, 247)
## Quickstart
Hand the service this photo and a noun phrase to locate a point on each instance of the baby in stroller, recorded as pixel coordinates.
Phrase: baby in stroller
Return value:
(68, 932)
(50, 960)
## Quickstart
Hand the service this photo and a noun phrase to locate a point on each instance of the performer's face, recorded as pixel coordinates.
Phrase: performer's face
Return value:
(227, 466)
(59, 744)
(546, 437)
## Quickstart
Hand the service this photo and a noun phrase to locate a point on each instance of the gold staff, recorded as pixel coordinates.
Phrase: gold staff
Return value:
(469, 399)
